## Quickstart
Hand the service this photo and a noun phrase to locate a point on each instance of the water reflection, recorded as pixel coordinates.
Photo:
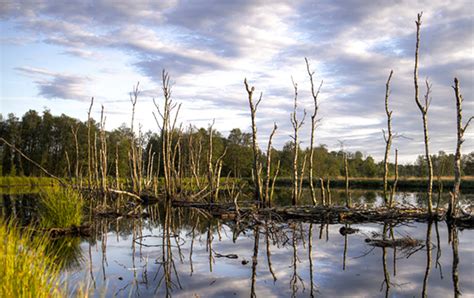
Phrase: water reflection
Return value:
(185, 253)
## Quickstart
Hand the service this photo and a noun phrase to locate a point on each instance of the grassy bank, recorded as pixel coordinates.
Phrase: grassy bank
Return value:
(15, 181)
(27, 270)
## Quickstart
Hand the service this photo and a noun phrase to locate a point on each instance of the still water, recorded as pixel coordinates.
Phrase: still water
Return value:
(183, 253)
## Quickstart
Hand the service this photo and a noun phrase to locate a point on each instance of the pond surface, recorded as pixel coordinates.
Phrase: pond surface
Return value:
(183, 253)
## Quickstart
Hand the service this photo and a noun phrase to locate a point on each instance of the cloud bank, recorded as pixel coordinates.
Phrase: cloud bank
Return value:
(209, 47)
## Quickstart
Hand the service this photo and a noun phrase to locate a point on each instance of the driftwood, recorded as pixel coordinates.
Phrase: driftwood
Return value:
(328, 215)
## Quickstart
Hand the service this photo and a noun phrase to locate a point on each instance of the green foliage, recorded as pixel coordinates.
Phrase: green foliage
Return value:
(27, 270)
(60, 208)
(46, 139)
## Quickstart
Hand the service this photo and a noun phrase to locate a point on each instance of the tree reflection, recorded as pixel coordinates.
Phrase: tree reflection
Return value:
(428, 259)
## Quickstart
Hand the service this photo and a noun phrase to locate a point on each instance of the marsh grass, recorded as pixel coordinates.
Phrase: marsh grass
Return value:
(26, 268)
(13, 181)
(60, 208)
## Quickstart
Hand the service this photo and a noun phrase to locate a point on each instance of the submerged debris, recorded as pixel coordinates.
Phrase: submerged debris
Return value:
(347, 230)
(405, 242)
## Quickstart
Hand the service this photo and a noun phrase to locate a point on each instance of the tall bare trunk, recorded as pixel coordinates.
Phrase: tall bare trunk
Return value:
(256, 162)
(314, 94)
(167, 127)
(269, 162)
(457, 157)
(388, 140)
(89, 149)
(296, 126)
(424, 110)
(133, 145)
(395, 180)
(346, 173)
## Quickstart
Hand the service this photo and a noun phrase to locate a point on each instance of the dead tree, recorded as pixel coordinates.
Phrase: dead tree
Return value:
(167, 127)
(74, 131)
(256, 162)
(103, 155)
(314, 94)
(388, 140)
(323, 191)
(457, 157)
(424, 113)
(269, 162)
(210, 168)
(133, 146)
(346, 174)
(89, 149)
(273, 183)
(296, 127)
(395, 180)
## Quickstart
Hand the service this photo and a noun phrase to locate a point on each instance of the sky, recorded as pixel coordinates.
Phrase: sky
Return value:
(58, 54)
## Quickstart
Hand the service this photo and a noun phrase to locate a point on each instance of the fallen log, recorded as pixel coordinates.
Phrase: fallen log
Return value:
(405, 242)
(323, 214)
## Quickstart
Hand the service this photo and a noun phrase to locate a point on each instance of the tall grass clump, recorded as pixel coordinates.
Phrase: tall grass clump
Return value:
(26, 270)
(60, 208)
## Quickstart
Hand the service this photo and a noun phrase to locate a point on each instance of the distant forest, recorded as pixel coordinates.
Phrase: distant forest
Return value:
(50, 140)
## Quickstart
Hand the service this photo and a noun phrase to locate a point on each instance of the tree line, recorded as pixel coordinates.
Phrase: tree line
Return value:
(51, 141)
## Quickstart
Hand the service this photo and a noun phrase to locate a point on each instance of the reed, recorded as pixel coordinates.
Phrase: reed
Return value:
(60, 208)
(27, 270)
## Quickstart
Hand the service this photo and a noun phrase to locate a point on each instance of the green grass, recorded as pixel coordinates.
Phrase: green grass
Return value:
(26, 270)
(11, 181)
(60, 208)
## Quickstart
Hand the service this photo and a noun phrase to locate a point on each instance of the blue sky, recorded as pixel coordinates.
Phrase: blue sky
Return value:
(58, 54)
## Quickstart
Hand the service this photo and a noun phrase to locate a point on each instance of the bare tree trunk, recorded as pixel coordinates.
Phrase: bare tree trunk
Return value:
(328, 187)
(313, 128)
(296, 126)
(167, 127)
(133, 145)
(346, 173)
(117, 174)
(395, 181)
(457, 157)
(89, 150)
(323, 192)
(300, 190)
(256, 163)
(424, 110)
(269, 161)
(68, 163)
(273, 184)
(210, 170)
(388, 140)
(96, 163)
(76, 145)
(103, 155)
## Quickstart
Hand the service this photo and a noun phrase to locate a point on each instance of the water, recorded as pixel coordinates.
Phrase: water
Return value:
(186, 254)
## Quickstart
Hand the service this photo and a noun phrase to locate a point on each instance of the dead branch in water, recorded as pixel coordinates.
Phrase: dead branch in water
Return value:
(33, 162)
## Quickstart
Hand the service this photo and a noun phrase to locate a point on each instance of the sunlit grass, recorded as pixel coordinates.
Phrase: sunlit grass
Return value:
(60, 208)
(26, 270)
